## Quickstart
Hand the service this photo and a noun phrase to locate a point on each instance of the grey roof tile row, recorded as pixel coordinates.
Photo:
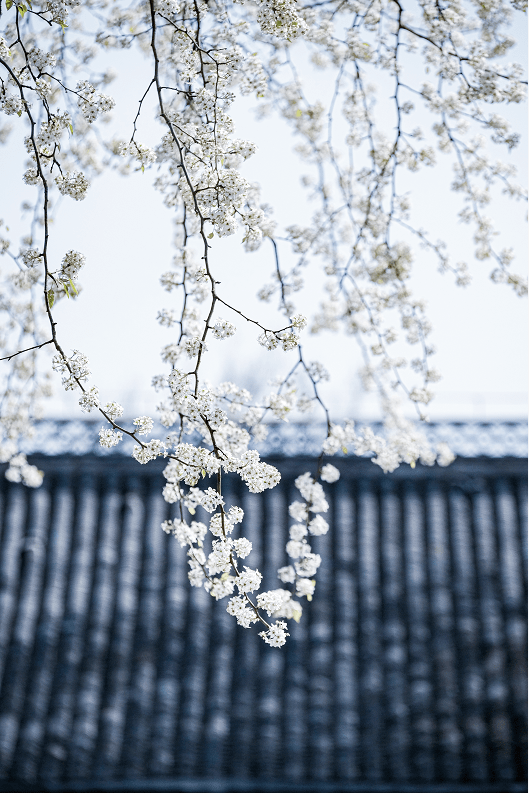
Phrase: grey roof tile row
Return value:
(408, 667)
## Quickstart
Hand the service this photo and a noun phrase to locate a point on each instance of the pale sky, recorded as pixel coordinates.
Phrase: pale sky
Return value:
(125, 233)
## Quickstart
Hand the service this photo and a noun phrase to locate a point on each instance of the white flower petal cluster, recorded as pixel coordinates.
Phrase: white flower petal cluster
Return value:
(186, 534)
(405, 442)
(222, 523)
(257, 475)
(329, 473)
(149, 451)
(196, 562)
(282, 404)
(208, 499)
(272, 601)
(71, 264)
(92, 104)
(5, 52)
(167, 8)
(113, 409)
(190, 463)
(298, 531)
(144, 425)
(238, 607)
(109, 438)
(89, 400)
(73, 184)
(42, 61)
(280, 18)
(144, 155)
(276, 635)
(20, 470)
(220, 587)
(287, 574)
(297, 548)
(223, 329)
(220, 558)
(305, 588)
(318, 525)
(249, 580)
(193, 346)
(339, 438)
(11, 104)
(50, 134)
(242, 547)
(308, 565)
(312, 492)
(74, 369)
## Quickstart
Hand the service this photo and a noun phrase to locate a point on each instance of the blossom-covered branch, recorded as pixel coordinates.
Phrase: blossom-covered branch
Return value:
(197, 58)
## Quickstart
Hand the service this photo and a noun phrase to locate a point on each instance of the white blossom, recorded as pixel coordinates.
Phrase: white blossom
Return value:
(249, 580)
(73, 184)
(242, 547)
(276, 635)
(149, 451)
(223, 329)
(89, 400)
(329, 473)
(238, 607)
(144, 425)
(109, 438)
(287, 574)
(113, 409)
(318, 525)
(305, 587)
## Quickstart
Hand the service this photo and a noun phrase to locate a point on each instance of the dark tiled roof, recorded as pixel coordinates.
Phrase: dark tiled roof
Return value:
(406, 672)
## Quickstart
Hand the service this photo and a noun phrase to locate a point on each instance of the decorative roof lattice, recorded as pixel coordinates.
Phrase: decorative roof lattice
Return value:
(465, 438)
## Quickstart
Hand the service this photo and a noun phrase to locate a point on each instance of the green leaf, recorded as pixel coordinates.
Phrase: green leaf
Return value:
(66, 291)
(210, 236)
(73, 286)
(22, 10)
(70, 127)
(298, 113)
(51, 298)
(191, 510)
(9, 3)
